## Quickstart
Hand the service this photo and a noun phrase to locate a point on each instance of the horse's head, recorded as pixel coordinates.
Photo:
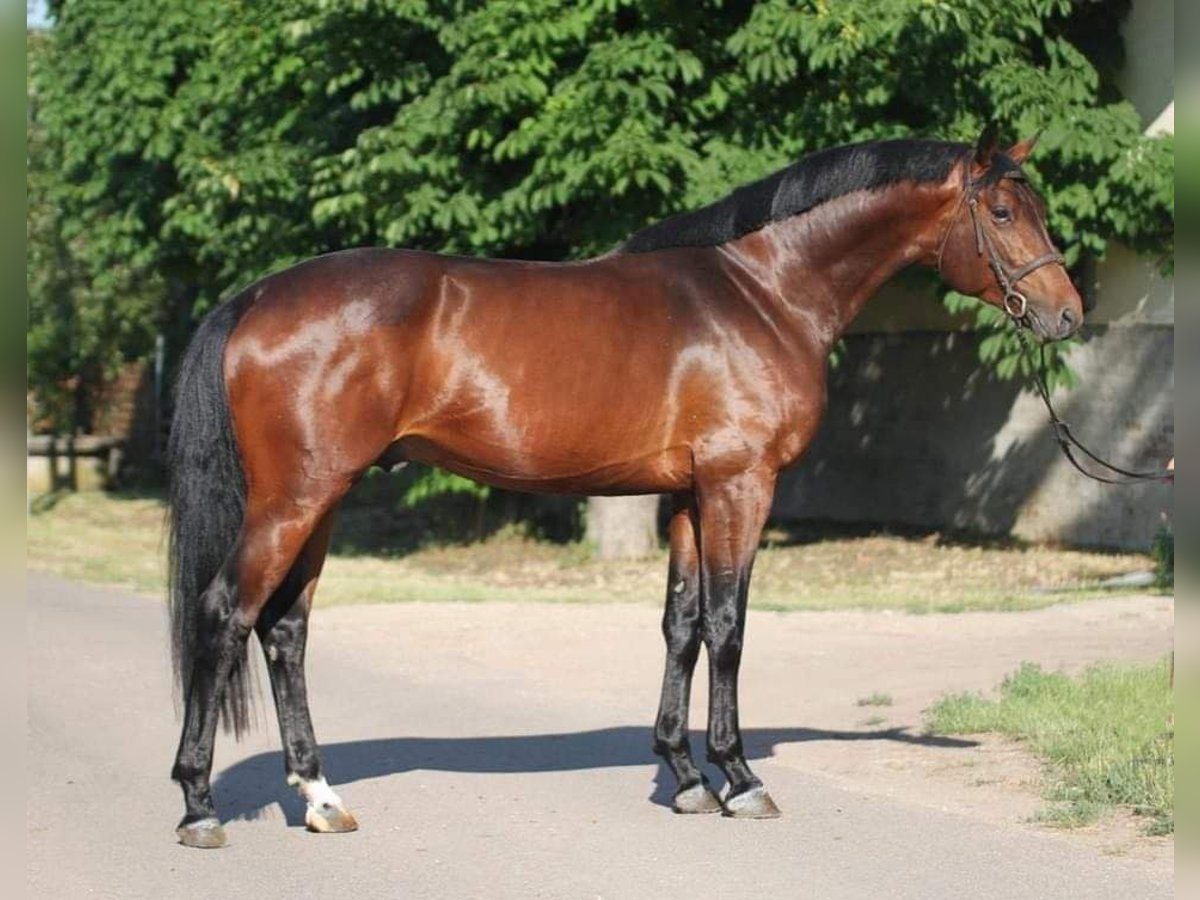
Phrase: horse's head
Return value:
(995, 246)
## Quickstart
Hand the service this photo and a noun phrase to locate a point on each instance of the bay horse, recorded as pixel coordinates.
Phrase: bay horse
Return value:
(690, 361)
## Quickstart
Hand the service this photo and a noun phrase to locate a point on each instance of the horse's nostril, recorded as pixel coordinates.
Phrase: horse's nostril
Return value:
(1069, 321)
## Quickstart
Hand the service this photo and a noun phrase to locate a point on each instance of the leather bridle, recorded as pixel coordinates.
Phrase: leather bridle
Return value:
(1017, 307)
(1015, 303)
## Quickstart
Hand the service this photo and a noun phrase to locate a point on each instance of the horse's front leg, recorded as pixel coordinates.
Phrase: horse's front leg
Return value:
(733, 511)
(681, 630)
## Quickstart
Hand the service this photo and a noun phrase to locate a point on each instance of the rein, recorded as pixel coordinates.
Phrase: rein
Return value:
(1017, 307)
(1062, 431)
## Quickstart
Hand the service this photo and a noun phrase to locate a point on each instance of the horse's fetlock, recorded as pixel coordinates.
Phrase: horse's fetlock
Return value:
(666, 733)
(186, 771)
(303, 761)
(725, 753)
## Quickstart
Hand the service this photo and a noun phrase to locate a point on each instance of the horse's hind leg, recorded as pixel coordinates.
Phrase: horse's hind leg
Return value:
(681, 630)
(271, 539)
(216, 655)
(283, 632)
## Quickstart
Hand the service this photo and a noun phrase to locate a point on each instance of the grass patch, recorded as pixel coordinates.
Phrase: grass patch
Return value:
(876, 699)
(117, 539)
(100, 539)
(1106, 736)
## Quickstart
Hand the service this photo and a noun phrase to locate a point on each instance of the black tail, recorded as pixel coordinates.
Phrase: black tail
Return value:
(206, 501)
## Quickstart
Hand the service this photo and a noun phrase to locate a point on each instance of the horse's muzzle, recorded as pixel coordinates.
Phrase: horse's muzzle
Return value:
(1053, 324)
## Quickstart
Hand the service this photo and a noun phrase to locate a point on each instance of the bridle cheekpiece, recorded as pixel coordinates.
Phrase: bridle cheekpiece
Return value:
(1017, 307)
(1015, 303)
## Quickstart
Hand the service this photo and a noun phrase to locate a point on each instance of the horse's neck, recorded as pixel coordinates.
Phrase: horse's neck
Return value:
(823, 266)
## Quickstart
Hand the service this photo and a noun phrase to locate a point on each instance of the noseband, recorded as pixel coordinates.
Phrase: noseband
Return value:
(1015, 303)
(1017, 307)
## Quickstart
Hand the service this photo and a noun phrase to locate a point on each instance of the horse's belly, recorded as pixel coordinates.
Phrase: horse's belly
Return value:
(551, 470)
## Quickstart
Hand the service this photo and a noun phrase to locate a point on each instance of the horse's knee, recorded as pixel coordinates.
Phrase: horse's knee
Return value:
(682, 645)
(724, 648)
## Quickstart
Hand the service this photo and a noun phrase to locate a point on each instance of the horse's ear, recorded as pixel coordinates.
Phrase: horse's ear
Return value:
(1018, 153)
(985, 147)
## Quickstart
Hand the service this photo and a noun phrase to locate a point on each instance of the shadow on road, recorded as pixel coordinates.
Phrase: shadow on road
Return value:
(247, 788)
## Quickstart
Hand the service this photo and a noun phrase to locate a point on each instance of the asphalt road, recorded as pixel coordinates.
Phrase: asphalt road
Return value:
(503, 751)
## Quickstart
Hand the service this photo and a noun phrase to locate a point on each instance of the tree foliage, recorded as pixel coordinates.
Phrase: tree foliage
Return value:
(180, 150)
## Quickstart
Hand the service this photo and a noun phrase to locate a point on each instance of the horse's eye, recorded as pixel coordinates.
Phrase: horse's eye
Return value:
(1001, 214)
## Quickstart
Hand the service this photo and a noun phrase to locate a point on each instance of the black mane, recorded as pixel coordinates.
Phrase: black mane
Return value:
(813, 180)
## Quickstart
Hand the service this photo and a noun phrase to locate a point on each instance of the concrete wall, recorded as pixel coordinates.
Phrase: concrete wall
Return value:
(1148, 79)
(917, 434)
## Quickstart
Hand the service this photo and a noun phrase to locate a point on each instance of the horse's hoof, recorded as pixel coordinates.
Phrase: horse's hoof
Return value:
(696, 799)
(754, 803)
(206, 834)
(325, 813)
(329, 819)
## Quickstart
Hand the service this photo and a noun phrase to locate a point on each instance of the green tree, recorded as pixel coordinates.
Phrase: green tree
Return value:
(184, 149)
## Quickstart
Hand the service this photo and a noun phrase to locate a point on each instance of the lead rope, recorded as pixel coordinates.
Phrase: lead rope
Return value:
(1062, 431)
